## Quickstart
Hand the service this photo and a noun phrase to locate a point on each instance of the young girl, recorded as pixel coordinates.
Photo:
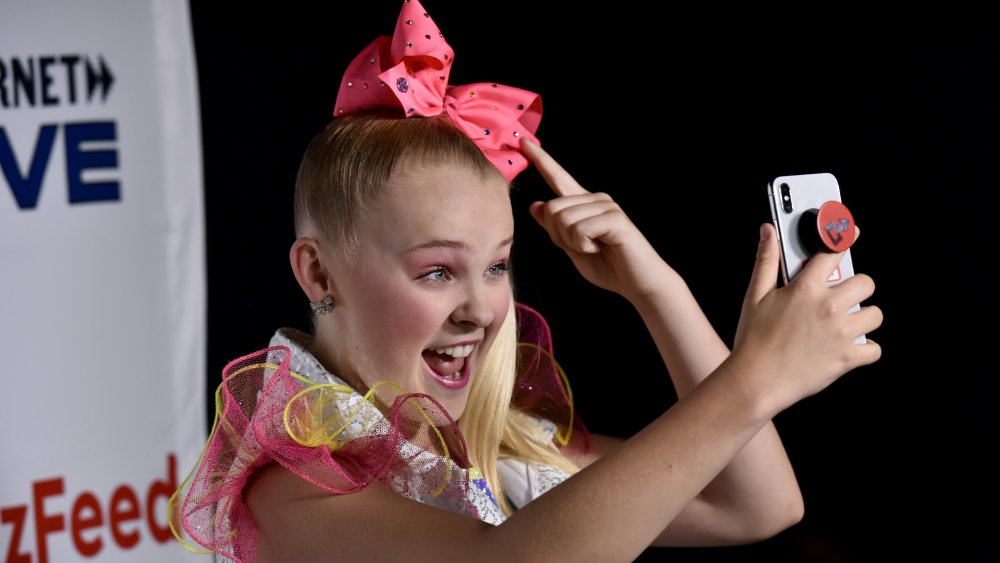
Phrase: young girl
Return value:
(343, 444)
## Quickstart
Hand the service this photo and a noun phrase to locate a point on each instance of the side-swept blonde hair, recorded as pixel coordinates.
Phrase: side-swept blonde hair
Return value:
(343, 175)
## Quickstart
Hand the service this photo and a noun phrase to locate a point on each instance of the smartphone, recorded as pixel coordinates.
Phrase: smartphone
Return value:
(794, 204)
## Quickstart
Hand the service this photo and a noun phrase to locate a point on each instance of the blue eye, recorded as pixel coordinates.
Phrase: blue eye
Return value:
(499, 269)
(440, 274)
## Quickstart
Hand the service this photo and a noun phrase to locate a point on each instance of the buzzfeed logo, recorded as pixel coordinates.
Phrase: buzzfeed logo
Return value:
(92, 520)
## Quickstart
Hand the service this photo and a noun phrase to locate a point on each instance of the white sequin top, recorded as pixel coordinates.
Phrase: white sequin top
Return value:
(522, 482)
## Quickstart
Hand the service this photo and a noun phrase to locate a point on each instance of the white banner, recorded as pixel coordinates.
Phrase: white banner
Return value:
(102, 277)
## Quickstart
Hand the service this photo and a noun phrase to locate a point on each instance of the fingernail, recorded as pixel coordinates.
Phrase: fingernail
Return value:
(765, 233)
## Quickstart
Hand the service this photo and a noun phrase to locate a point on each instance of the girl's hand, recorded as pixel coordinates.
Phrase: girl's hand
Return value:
(603, 243)
(800, 338)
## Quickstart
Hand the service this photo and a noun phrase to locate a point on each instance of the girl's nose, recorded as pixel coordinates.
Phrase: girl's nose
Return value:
(474, 309)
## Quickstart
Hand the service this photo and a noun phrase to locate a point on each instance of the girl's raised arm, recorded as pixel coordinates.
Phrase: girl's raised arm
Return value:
(757, 494)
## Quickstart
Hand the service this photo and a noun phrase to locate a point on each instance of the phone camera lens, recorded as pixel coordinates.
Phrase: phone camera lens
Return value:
(786, 198)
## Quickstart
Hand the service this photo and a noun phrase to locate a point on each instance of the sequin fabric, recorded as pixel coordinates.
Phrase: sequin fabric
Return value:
(522, 481)
(423, 464)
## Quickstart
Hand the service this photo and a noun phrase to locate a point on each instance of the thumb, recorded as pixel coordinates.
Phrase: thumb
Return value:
(765, 269)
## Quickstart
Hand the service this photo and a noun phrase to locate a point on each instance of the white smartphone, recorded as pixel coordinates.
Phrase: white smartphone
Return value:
(795, 201)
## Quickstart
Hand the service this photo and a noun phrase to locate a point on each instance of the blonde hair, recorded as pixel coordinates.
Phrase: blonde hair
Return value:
(343, 175)
(493, 429)
(347, 167)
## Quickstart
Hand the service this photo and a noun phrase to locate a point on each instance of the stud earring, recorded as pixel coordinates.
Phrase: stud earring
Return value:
(322, 307)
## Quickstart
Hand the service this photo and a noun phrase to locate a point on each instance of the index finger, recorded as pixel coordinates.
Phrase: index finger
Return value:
(828, 260)
(821, 265)
(555, 175)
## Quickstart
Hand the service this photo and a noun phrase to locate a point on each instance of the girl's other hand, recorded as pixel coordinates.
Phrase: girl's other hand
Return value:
(600, 239)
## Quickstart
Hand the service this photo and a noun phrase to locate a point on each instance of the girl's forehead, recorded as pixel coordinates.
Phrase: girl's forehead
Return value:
(457, 181)
(444, 202)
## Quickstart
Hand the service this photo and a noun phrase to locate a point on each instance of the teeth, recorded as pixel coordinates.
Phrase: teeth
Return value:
(456, 351)
(455, 376)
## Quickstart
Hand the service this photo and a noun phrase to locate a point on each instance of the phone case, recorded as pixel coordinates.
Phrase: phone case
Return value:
(792, 198)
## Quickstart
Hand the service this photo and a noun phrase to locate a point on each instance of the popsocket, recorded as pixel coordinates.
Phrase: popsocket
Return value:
(829, 228)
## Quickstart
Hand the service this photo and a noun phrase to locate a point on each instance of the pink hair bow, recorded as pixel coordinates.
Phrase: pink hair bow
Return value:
(410, 71)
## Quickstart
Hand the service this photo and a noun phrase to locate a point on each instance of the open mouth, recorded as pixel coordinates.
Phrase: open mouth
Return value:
(448, 366)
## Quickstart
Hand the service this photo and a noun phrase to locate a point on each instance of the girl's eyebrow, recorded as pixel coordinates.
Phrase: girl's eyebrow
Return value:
(451, 244)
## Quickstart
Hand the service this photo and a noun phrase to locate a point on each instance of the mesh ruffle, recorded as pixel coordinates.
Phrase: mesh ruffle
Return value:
(339, 440)
(542, 388)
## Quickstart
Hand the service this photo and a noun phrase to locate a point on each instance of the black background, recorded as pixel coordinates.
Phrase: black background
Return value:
(683, 119)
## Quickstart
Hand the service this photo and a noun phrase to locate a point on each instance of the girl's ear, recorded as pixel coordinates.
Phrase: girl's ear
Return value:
(310, 270)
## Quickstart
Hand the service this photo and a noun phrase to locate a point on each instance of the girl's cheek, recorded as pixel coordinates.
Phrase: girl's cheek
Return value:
(500, 304)
(409, 319)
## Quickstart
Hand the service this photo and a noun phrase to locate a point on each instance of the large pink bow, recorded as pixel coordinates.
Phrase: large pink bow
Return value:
(410, 72)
